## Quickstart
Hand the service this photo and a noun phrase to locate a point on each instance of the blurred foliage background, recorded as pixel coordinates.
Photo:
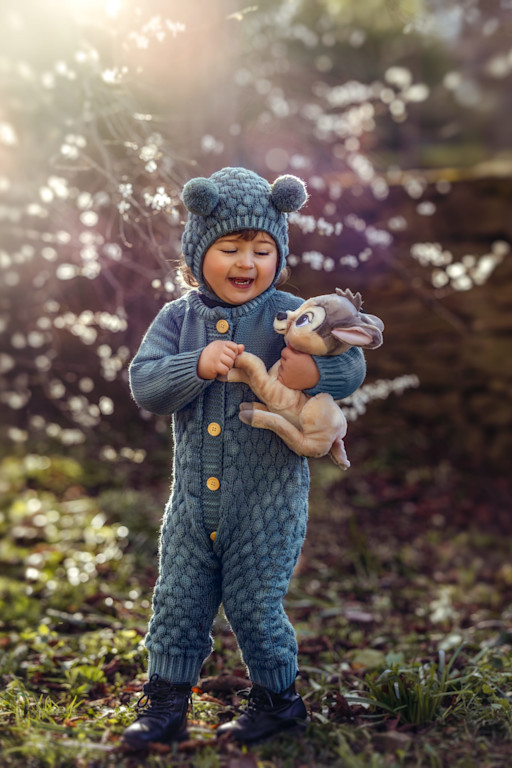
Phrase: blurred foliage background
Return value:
(395, 112)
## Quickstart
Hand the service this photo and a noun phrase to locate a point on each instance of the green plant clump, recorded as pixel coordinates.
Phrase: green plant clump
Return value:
(78, 568)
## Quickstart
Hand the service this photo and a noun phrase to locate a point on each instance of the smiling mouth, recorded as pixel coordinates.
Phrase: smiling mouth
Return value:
(241, 282)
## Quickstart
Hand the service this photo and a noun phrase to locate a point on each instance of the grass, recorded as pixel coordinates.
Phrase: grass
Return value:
(403, 627)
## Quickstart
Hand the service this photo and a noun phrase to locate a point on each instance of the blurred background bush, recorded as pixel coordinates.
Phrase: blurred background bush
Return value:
(395, 112)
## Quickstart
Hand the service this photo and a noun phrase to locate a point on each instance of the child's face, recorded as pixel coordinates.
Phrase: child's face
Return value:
(238, 270)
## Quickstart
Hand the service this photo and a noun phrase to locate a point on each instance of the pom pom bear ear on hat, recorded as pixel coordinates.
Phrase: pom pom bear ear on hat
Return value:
(200, 196)
(288, 193)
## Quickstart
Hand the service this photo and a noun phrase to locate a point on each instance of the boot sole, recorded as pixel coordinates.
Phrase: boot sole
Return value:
(292, 727)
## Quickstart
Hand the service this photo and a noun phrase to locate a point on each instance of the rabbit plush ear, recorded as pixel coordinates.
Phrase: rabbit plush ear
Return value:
(356, 336)
(200, 196)
(368, 335)
(288, 193)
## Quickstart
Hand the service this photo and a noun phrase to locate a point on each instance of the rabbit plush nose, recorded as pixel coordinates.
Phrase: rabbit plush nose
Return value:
(281, 322)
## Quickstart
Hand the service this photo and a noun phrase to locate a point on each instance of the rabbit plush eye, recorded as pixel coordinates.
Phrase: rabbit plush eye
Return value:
(304, 319)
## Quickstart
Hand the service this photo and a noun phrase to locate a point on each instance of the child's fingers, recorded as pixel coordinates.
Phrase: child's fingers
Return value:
(229, 355)
(224, 366)
(226, 361)
(232, 346)
(225, 355)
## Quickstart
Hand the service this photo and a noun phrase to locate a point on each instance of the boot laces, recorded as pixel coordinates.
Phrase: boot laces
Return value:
(159, 698)
(259, 699)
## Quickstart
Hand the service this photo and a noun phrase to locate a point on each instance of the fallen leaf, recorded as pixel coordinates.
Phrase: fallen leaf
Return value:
(358, 615)
(224, 682)
(244, 761)
(392, 740)
(365, 658)
(191, 745)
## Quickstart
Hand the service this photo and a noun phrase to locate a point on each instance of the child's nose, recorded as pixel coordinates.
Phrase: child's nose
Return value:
(245, 259)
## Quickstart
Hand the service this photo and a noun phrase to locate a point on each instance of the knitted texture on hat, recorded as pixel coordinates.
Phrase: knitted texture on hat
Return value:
(234, 199)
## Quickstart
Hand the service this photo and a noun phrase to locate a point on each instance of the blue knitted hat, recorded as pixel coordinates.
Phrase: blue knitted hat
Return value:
(234, 199)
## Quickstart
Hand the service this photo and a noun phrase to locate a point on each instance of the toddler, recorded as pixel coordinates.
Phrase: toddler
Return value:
(236, 518)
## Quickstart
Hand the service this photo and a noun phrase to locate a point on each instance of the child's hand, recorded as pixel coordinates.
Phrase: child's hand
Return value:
(297, 370)
(218, 358)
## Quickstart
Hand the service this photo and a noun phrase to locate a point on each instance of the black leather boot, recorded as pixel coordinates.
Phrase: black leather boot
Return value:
(162, 713)
(267, 714)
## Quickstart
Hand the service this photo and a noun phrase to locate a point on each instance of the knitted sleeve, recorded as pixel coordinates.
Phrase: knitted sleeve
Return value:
(162, 379)
(340, 375)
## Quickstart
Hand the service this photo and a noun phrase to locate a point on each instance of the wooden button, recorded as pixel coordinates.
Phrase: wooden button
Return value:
(213, 483)
(213, 535)
(222, 326)
(214, 429)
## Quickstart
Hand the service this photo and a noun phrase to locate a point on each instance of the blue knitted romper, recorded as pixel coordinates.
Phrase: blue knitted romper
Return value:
(242, 483)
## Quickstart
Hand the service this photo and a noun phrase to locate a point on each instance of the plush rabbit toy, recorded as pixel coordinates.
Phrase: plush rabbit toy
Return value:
(310, 426)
